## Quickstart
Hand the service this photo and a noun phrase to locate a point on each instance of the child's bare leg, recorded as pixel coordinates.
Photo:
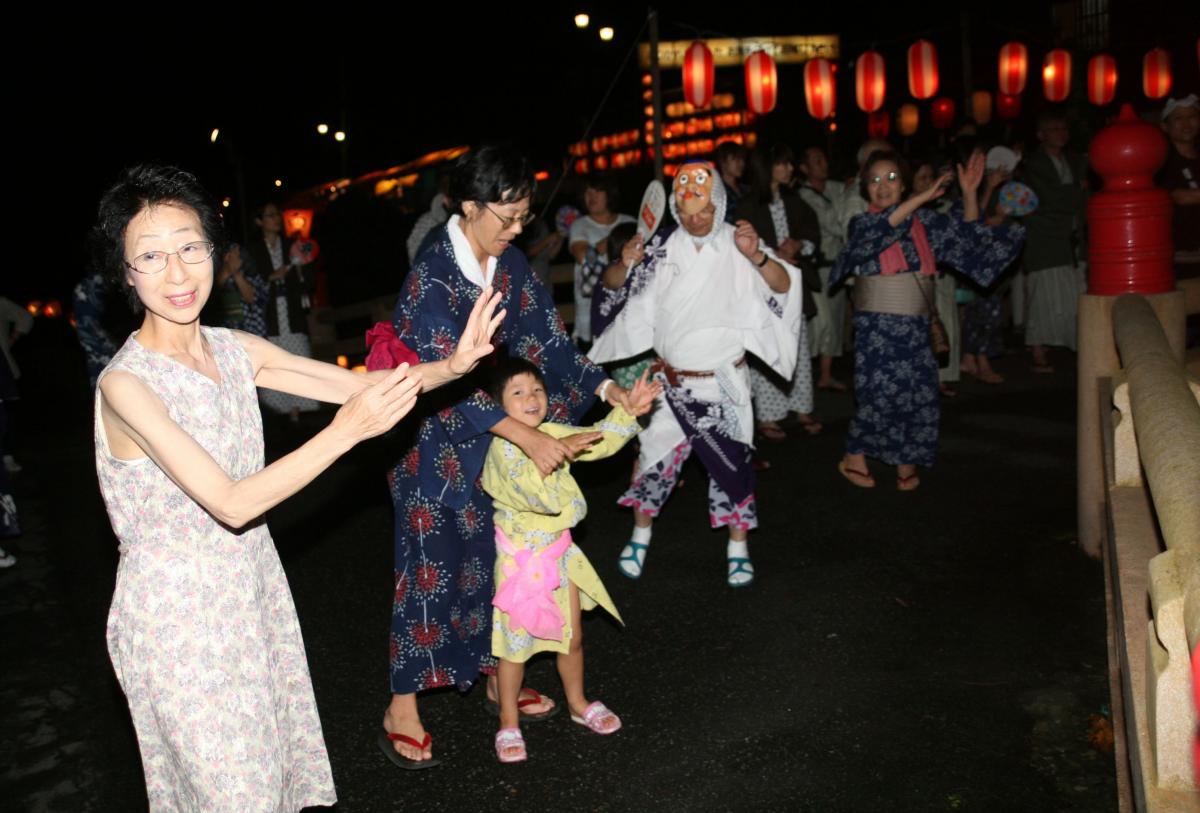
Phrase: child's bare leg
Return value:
(509, 676)
(570, 663)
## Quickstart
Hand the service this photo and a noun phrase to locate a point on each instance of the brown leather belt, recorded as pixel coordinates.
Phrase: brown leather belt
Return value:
(673, 374)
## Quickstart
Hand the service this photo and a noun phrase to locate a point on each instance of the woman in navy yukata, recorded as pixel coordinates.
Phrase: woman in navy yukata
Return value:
(891, 251)
(444, 535)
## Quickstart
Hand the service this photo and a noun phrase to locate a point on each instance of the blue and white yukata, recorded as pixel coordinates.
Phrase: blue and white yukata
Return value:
(444, 535)
(701, 308)
(897, 408)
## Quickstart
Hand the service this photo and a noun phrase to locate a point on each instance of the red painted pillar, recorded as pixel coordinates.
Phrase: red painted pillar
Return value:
(1129, 220)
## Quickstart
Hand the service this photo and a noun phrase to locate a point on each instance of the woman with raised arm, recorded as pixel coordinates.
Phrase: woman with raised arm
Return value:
(202, 631)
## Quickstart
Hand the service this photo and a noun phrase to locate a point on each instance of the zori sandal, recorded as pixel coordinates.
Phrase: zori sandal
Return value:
(527, 697)
(385, 740)
(598, 718)
(510, 745)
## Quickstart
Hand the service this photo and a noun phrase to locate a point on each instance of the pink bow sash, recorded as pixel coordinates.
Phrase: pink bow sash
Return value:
(529, 584)
(891, 259)
(386, 350)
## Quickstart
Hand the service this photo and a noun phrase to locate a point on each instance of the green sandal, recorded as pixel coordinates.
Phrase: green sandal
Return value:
(633, 559)
(739, 566)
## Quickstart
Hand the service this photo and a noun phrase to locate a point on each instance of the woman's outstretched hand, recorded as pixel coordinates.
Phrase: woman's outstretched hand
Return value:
(971, 175)
(376, 409)
(476, 339)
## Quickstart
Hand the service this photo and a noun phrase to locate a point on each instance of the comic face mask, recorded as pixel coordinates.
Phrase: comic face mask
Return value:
(693, 187)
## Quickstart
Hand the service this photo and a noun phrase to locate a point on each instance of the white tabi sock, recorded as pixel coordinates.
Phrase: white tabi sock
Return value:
(741, 572)
(641, 535)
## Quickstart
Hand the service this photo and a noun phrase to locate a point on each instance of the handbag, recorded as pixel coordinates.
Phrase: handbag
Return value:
(939, 339)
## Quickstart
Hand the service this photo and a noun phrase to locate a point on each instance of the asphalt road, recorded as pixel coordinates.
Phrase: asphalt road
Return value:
(936, 650)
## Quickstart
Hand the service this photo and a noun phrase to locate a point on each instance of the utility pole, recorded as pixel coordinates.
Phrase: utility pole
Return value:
(656, 78)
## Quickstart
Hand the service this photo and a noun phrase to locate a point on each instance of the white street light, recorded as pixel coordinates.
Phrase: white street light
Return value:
(213, 138)
(278, 182)
(606, 33)
(322, 128)
(339, 136)
(582, 20)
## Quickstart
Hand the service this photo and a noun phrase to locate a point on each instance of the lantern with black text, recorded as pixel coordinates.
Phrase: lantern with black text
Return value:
(879, 124)
(1056, 75)
(761, 82)
(297, 223)
(1102, 79)
(907, 119)
(1008, 106)
(869, 82)
(1014, 65)
(981, 106)
(818, 88)
(1156, 73)
(941, 113)
(922, 69)
(698, 75)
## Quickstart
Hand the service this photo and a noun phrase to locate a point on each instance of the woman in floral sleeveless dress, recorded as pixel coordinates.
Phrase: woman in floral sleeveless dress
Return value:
(202, 631)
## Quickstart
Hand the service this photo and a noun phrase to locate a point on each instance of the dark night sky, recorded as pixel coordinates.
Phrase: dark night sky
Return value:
(110, 95)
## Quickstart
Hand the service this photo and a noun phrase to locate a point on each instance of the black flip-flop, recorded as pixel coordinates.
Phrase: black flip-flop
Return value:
(528, 700)
(385, 739)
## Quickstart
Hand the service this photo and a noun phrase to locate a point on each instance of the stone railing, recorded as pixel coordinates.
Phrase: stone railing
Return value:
(1152, 451)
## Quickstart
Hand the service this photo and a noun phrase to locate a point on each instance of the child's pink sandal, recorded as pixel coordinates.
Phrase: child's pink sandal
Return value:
(510, 745)
(598, 718)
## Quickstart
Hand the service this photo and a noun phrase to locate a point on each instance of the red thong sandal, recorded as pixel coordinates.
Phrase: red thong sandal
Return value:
(385, 740)
(907, 482)
(865, 479)
(528, 697)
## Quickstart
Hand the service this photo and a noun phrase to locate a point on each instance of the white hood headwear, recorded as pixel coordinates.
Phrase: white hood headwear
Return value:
(717, 191)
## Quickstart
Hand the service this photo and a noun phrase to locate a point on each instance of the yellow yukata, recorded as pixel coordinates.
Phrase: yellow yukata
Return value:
(533, 514)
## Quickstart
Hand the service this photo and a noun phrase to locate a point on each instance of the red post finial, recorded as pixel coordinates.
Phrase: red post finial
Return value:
(1129, 221)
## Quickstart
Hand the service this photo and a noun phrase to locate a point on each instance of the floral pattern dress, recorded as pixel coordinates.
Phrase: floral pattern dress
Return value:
(445, 548)
(897, 408)
(202, 631)
(533, 514)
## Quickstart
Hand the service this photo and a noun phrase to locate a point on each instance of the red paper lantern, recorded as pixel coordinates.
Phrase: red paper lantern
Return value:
(1156, 73)
(761, 82)
(1014, 65)
(1102, 79)
(819, 90)
(698, 75)
(907, 119)
(1008, 106)
(869, 82)
(1056, 75)
(941, 114)
(922, 69)
(879, 124)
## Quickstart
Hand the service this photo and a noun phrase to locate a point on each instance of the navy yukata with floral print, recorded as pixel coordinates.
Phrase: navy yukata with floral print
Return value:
(444, 536)
(897, 408)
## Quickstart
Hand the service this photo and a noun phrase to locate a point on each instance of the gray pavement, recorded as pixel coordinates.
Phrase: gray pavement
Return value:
(936, 650)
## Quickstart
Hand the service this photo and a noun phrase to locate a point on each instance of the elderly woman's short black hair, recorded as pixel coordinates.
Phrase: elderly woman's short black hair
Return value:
(874, 158)
(491, 174)
(142, 187)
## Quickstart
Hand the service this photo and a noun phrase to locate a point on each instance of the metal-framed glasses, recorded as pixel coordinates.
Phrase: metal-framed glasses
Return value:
(153, 262)
(891, 176)
(505, 222)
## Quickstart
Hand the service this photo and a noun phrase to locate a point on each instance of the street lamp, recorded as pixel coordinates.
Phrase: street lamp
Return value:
(582, 20)
(339, 136)
(212, 139)
(278, 182)
(606, 33)
(322, 128)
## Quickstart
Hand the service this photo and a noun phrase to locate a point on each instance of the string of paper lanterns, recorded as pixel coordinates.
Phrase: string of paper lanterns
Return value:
(870, 83)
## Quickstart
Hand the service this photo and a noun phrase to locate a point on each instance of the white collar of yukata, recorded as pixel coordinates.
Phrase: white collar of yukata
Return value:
(719, 203)
(464, 257)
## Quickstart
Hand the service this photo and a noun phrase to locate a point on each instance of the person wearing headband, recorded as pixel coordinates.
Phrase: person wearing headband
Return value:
(702, 296)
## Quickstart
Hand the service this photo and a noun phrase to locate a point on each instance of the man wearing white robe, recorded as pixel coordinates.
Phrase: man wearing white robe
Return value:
(702, 298)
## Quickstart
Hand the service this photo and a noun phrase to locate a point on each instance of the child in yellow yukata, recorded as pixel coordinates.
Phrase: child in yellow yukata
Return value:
(543, 579)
